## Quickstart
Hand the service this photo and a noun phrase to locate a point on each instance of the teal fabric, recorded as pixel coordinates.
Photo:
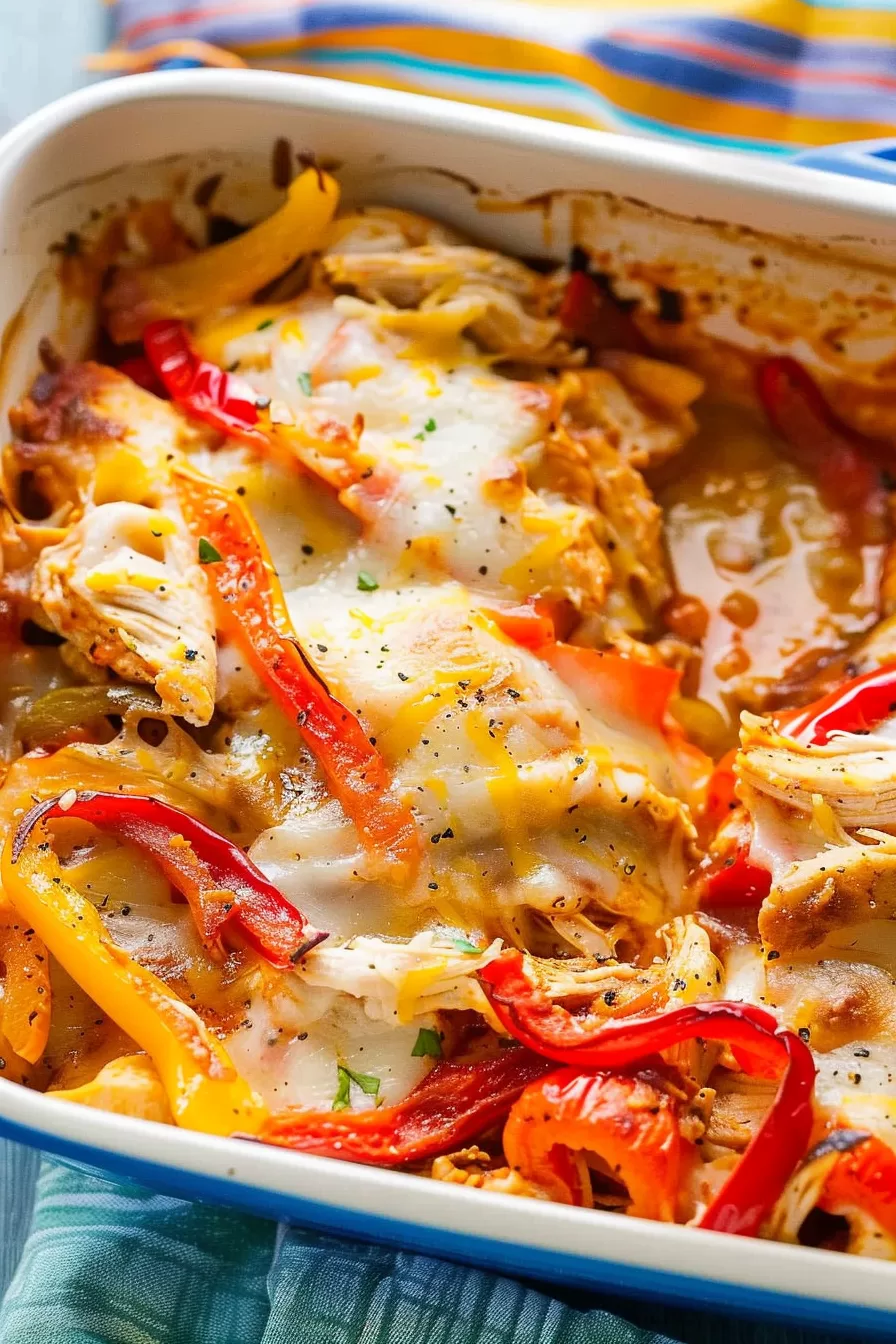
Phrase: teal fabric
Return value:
(109, 1263)
(119, 1264)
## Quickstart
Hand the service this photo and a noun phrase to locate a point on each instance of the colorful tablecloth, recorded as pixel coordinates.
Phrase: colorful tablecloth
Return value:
(764, 75)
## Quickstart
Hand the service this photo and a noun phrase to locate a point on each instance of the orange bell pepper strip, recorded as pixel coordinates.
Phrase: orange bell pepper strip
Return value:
(252, 611)
(624, 1119)
(862, 1177)
(204, 1089)
(27, 999)
(639, 691)
(524, 624)
(454, 1103)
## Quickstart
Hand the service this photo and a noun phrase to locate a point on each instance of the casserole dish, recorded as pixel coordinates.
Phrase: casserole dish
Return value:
(687, 224)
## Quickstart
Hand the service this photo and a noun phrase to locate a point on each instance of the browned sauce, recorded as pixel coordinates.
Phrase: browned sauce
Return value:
(785, 586)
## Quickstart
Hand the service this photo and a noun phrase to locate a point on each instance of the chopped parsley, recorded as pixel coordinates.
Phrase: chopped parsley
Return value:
(367, 1082)
(428, 1043)
(463, 945)
(304, 382)
(427, 429)
(366, 582)
(262, 326)
(208, 554)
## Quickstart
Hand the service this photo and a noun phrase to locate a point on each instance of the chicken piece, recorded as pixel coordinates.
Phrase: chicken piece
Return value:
(537, 803)
(645, 429)
(475, 1169)
(401, 981)
(841, 887)
(125, 587)
(690, 973)
(87, 432)
(382, 228)
(128, 1086)
(502, 299)
(854, 774)
(582, 466)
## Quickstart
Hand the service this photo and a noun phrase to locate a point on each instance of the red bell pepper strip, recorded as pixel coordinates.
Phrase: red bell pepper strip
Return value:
(728, 876)
(200, 388)
(593, 317)
(840, 459)
(223, 887)
(454, 1103)
(863, 1177)
(251, 609)
(761, 1046)
(858, 706)
(626, 1120)
(141, 372)
(721, 796)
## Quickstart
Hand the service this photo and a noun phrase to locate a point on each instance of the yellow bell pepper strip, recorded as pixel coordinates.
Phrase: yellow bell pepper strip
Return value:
(224, 888)
(27, 999)
(204, 1089)
(252, 611)
(229, 273)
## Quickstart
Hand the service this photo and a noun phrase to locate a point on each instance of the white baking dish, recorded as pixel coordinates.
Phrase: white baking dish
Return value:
(650, 209)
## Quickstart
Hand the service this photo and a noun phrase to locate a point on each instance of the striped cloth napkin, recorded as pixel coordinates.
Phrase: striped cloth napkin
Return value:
(771, 76)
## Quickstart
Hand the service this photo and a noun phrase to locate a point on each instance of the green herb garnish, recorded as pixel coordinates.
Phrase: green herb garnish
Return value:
(463, 945)
(368, 1083)
(268, 322)
(428, 1042)
(208, 553)
(430, 425)
(304, 382)
(366, 582)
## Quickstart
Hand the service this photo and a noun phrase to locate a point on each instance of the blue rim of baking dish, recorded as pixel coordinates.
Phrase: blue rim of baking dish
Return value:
(534, 1262)
(871, 159)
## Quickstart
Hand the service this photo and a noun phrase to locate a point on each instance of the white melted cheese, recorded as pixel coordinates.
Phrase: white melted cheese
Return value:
(533, 802)
(454, 434)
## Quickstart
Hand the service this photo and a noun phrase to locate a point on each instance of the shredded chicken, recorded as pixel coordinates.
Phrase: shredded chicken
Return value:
(498, 299)
(855, 775)
(475, 1169)
(127, 1086)
(125, 587)
(86, 431)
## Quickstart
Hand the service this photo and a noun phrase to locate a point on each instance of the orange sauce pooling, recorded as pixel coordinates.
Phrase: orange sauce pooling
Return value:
(785, 586)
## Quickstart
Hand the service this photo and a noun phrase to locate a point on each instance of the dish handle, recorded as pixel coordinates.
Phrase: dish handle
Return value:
(874, 159)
